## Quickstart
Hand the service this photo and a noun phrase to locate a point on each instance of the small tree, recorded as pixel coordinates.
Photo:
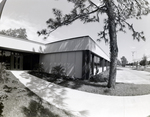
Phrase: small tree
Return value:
(124, 61)
(117, 12)
(19, 33)
(144, 61)
(118, 62)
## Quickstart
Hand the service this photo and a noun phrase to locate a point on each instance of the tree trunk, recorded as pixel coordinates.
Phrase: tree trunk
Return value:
(113, 44)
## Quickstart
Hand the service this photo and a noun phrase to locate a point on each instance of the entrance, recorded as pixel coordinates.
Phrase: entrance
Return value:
(17, 62)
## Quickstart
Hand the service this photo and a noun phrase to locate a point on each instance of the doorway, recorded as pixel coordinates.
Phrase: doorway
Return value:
(17, 61)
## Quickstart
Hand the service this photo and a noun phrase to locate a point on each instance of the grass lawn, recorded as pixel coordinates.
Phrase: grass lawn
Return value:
(121, 89)
(19, 101)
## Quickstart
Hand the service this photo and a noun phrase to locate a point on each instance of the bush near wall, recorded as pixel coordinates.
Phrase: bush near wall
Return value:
(58, 71)
(101, 77)
(2, 71)
(38, 68)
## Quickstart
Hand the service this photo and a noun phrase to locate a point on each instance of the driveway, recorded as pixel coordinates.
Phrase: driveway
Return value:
(127, 75)
(83, 104)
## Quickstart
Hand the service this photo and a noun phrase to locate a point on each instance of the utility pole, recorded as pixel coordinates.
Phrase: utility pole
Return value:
(133, 52)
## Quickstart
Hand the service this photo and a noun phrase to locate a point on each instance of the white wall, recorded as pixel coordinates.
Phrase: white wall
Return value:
(80, 43)
(72, 62)
(21, 44)
(97, 50)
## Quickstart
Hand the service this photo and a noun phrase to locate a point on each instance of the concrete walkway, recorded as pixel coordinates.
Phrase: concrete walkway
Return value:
(85, 104)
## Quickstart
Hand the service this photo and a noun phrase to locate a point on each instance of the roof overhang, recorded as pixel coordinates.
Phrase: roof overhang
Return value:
(73, 44)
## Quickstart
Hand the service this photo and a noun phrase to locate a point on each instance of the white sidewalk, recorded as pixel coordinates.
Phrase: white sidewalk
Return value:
(85, 104)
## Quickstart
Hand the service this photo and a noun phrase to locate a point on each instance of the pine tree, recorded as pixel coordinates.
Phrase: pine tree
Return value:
(117, 11)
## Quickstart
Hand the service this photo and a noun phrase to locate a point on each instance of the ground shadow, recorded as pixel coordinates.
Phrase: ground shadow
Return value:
(45, 89)
(36, 109)
(76, 84)
(40, 108)
(137, 69)
(55, 94)
(130, 89)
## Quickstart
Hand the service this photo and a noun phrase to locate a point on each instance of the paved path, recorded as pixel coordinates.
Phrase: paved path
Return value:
(85, 104)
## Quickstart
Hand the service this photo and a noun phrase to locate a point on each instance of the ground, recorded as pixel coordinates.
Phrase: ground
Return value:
(128, 83)
(65, 102)
(19, 101)
(84, 104)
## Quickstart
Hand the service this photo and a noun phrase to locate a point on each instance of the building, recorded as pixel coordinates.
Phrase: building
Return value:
(79, 56)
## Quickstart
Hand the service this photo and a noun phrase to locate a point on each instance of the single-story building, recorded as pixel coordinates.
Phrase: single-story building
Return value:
(79, 56)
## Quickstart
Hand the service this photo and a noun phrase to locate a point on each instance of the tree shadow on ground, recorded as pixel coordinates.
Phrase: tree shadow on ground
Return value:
(76, 84)
(36, 109)
(45, 89)
(40, 108)
(54, 94)
(131, 89)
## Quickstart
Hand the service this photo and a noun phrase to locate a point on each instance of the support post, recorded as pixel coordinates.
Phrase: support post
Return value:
(106, 64)
(92, 64)
(86, 64)
(103, 64)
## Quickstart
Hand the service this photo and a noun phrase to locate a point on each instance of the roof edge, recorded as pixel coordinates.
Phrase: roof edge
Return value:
(21, 39)
(98, 46)
(67, 39)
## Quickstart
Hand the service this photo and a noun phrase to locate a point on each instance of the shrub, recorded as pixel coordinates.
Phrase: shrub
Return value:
(1, 109)
(101, 77)
(39, 68)
(2, 71)
(58, 71)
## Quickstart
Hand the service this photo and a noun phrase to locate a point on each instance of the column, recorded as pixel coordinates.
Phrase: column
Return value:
(103, 64)
(92, 67)
(86, 64)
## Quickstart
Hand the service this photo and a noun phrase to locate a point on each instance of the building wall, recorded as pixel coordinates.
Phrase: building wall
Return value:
(72, 62)
(75, 44)
(93, 47)
(69, 53)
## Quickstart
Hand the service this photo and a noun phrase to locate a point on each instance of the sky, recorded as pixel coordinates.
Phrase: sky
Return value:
(33, 14)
